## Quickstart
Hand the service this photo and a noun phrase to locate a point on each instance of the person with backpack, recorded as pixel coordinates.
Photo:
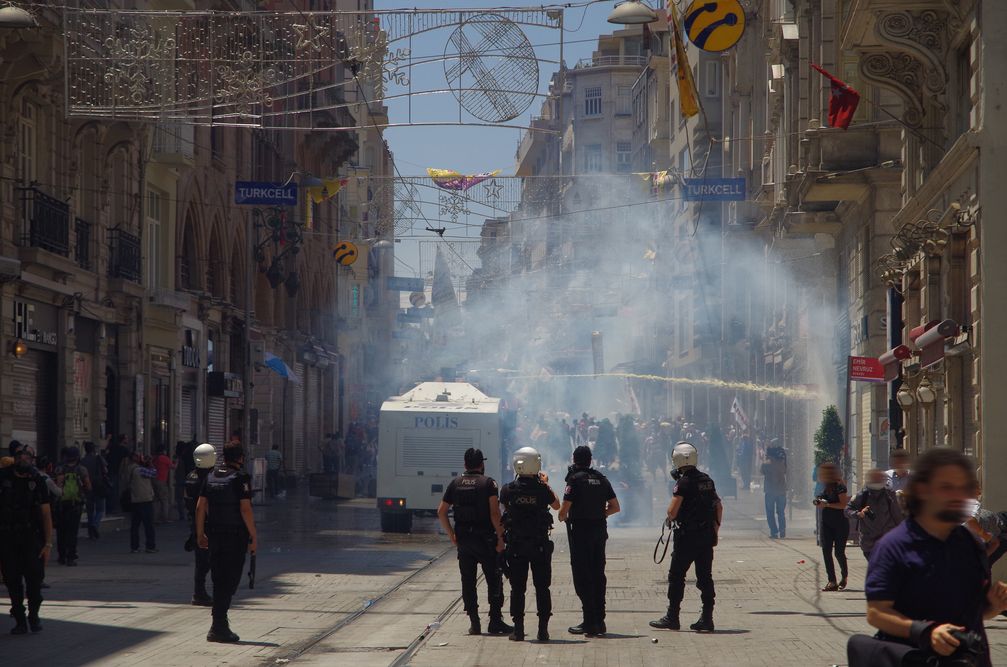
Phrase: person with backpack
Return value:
(97, 471)
(75, 483)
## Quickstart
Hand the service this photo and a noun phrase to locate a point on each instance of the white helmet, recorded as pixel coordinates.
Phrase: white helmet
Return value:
(205, 455)
(527, 461)
(684, 454)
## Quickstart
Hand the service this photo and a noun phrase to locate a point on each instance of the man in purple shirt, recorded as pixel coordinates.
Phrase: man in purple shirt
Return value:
(929, 577)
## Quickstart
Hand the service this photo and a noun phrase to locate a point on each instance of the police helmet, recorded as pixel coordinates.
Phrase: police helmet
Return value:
(527, 461)
(684, 455)
(205, 455)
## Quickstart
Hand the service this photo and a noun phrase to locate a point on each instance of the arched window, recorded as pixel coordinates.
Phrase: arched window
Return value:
(188, 275)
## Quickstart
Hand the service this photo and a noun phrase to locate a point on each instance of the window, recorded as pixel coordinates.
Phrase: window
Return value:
(639, 103)
(592, 158)
(27, 166)
(624, 157)
(592, 101)
(684, 162)
(355, 301)
(623, 101)
(155, 214)
(711, 85)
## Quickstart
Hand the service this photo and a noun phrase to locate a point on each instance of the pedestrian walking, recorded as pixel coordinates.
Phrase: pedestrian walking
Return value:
(898, 475)
(274, 461)
(746, 452)
(116, 454)
(25, 538)
(225, 525)
(527, 524)
(587, 503)
(74, 482)
(774, 481)
(96, 497)
(162, 494)
(204, 458)
(695, 513)
(478, 534)
(876, 509)
(138, 475)
(835, 528)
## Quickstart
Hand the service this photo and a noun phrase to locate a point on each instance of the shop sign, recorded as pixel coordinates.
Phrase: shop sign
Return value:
(35, 323)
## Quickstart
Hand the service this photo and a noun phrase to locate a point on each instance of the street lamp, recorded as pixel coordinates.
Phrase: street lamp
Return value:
(13, 17)
(20, 348)
(632, 12)
(905, 397)
(925, 392)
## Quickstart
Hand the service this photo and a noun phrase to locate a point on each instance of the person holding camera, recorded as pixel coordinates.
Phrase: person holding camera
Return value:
(834, 529)
(876, 509)
(929, 587)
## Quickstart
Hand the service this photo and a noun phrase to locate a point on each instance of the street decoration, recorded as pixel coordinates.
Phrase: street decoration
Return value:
(345, 253)
(844, 100)
(452, 180)
(714, 25)
(293, 70)
(688, 101)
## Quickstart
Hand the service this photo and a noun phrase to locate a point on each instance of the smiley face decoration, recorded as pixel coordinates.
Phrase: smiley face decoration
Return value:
(345, 253)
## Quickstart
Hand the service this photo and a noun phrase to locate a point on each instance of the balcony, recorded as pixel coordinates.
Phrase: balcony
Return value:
(46, 222)
(82, 244)
(612, 61)
(174, 143)
(124, 256)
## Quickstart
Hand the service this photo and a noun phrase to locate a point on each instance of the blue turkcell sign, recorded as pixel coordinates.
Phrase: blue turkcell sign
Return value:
(714, 189)
(400, 284)
(254, 193)
(408, 317)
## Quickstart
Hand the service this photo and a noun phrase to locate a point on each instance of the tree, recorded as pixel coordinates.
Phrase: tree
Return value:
(829, 437)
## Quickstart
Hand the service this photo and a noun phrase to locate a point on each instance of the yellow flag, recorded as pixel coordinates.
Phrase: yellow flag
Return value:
(328, 189)
(686, 84)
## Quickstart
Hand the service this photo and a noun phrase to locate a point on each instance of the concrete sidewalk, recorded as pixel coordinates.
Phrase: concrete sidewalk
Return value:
(770, 611)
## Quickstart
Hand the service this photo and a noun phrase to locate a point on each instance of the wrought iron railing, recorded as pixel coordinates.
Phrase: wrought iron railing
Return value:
(124, 256)
(612, 61)
(46, 222)
(82, 243)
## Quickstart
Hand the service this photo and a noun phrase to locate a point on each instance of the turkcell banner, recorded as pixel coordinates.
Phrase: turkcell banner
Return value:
(714, 189)
(408, 317)
(254, 193)
(399, 284)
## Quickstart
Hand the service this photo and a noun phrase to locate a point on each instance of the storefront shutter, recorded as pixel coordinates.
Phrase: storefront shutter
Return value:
(216, 425)
(297, 411)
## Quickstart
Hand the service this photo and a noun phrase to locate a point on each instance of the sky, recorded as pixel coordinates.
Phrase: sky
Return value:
(469, 149)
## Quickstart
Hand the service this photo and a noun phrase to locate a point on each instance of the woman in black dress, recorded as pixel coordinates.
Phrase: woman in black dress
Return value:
(835, 528)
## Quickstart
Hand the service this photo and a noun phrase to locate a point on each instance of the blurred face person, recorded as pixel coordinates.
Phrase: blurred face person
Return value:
(828, 473)
(900, 462)
(947, 494)
(876, 480)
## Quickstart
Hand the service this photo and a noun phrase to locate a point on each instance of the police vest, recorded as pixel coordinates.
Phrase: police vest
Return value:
(528, 518)
(699, 505)
(592, 495)
(193, 485)
(471, 501)
(223, 500)
(19, 514)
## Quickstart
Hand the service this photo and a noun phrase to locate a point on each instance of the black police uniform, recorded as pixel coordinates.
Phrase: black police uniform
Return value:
(21, 541)
(469, 495)
(224, 489)
(193, 486)
(588, 492)
(527, 522)
(694, 539)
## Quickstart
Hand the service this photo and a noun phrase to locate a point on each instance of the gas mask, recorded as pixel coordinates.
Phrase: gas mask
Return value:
(676, 474)
(876, 486)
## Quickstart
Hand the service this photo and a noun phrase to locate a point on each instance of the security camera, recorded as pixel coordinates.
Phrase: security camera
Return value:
(10, 269)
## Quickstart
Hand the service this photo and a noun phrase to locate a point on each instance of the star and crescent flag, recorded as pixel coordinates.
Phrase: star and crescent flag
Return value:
(844, 101)
(453, 180)
(316, 194)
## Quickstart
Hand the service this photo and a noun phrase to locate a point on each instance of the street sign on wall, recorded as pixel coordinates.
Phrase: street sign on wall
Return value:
(714, 189)
(255, 193)
(400, 284)
(866, 369)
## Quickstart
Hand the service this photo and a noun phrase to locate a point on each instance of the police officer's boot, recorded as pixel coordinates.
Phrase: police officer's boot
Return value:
(497, 625)
(33, 620)
(200, 598)
(667, 622)
(20, 627)
(518, 634)
(475, 627)
(543, 628)
(705, 622)
(220, 632)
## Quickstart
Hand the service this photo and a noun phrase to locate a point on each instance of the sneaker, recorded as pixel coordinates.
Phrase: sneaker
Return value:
(842, 584)
(666, 623)
(831, 587)
(151, 551)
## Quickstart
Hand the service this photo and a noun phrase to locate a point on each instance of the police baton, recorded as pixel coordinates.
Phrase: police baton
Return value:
(251, 571)
(665, 540)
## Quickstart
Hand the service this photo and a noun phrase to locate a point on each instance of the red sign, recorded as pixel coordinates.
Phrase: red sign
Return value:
(866, 369)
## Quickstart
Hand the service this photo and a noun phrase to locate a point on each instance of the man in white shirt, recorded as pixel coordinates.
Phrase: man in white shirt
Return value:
(898, 475)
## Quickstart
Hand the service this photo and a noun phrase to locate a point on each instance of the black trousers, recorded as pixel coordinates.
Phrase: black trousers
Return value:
(227, 560)
(23, 572)
(538, 558)
(479, 550)
(833, 534)
(67, 525)
(587, 560)
(202, 569)
(691, 549)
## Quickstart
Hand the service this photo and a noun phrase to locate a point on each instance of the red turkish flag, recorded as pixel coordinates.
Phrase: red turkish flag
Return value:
(843, 103)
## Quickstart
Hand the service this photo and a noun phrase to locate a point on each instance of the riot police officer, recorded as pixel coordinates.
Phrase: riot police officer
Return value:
(695, 512)
(587, 503)
(478, 534)
(527, 523)
(25, 537)
(225, 525)
(205, 457)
